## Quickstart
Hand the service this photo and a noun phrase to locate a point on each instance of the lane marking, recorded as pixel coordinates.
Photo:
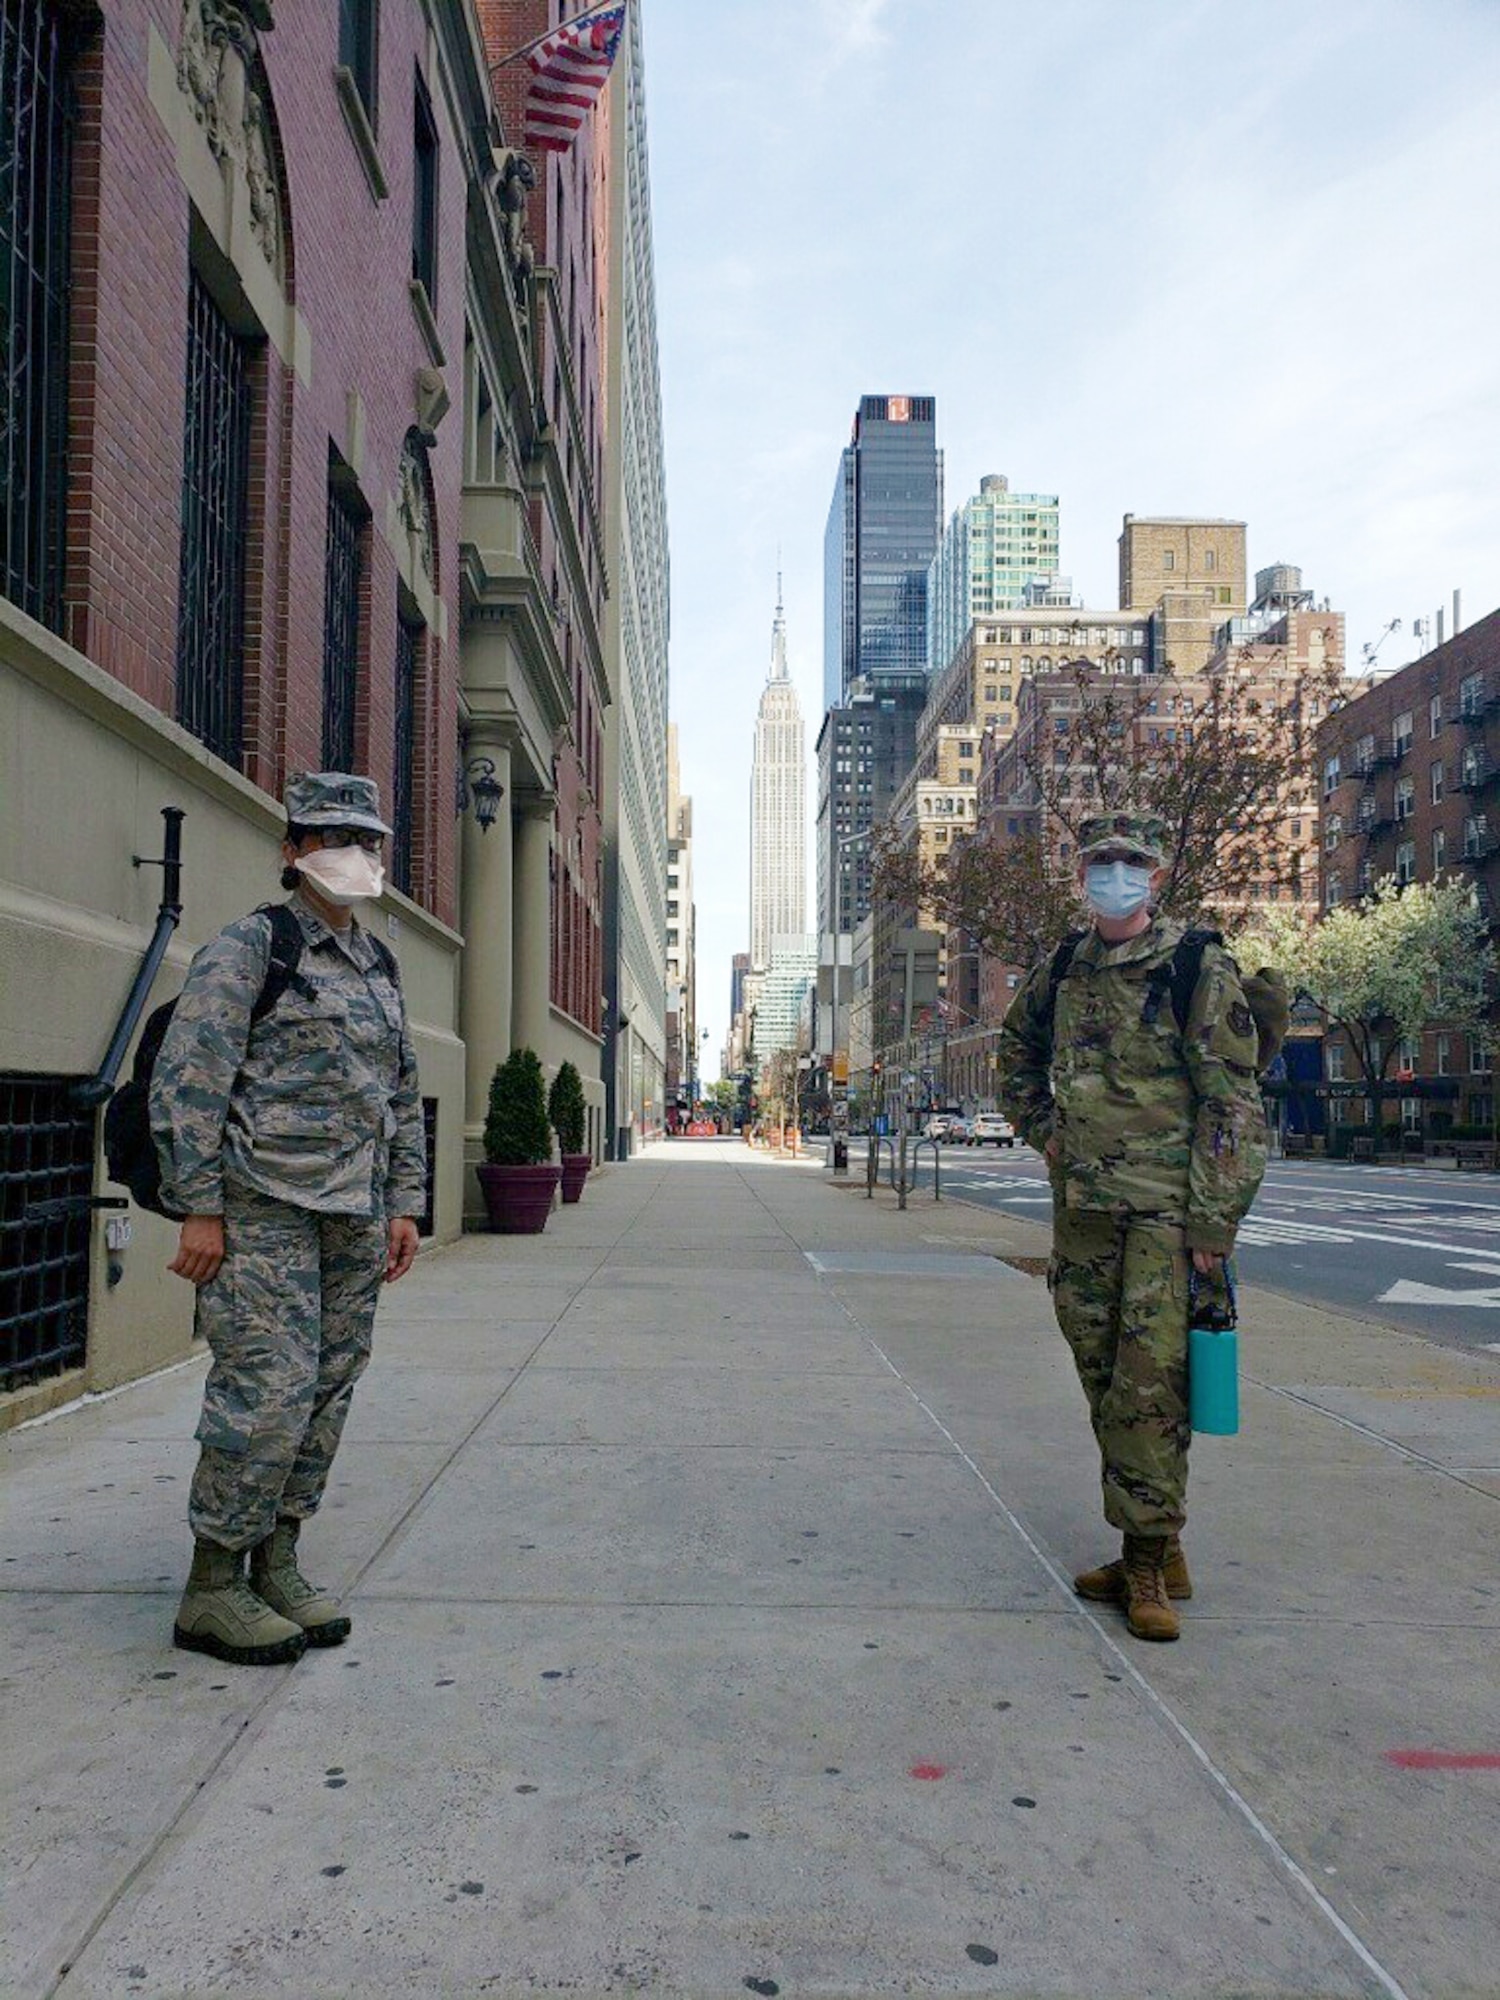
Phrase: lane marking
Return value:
(1374, 1194)
(1279, 1233)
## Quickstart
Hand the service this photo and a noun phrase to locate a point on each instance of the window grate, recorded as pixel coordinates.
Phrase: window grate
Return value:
(46, 1155)
(341, 581)
(403, 813)
(215, 508)
(36, 144)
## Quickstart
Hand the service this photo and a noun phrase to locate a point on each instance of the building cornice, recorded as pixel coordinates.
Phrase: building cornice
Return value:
(503, 585)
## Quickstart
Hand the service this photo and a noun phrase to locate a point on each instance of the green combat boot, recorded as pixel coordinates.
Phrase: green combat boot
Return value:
(1147, 1612)
(274, 1576)
(1106, 1585)
(221, 1614)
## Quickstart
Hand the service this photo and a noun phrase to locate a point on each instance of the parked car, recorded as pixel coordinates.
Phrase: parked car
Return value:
(990, 1129)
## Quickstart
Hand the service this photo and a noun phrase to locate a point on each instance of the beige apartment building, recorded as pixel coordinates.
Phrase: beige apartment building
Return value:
(980, 684)
(1190, 574)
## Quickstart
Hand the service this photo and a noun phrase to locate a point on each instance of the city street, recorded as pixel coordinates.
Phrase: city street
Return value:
(1414, 1247)
(708, 1559)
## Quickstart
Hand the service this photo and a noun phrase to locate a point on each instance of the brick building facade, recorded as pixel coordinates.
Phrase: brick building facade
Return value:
(1409, 776)
(244, 225)
(237, 245)
(567, 222)
(1190, 574)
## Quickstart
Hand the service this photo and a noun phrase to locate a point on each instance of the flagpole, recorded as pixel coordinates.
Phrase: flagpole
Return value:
(524, 50)
(545, 36)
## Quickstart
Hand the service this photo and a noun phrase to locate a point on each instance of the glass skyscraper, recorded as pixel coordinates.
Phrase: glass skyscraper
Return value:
(999, 546)
(882, 534)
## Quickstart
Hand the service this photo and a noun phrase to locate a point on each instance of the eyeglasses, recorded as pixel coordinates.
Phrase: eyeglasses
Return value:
(352, 836)
(1130, 860)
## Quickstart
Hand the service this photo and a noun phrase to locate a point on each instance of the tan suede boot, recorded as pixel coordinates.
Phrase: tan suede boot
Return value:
(1106, 1585)
(1147, 1611)
(220, 1614)
(275, 1577)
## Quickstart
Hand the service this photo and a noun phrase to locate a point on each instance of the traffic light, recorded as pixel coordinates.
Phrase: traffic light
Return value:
(875, 1067)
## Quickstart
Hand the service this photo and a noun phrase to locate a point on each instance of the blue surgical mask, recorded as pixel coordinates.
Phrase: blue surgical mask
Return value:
(1116, 888)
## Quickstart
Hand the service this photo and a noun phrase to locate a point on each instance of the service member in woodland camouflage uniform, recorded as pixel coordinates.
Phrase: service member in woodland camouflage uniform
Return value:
(1155, 1140)
(294, 1144)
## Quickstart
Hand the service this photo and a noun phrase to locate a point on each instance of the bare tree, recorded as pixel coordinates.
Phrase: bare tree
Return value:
(1222, 759)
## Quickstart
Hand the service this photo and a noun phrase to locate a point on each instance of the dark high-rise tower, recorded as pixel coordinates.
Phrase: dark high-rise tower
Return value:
(883, 531)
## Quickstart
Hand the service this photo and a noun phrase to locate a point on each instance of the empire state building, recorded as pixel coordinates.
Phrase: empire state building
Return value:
(778, 808)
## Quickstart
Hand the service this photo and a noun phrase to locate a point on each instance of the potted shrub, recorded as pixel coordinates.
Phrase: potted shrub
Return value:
(566, 1109)
(518, 1174)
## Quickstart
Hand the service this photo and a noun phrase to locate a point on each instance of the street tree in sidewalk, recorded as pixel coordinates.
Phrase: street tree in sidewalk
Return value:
(1384, 968)
(778, 1089)
(1220, 758)
(1005, 897)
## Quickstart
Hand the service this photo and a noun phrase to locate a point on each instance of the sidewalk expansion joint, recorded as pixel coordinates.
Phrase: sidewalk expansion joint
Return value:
(258, 1712)
(1165, 1713)
(760, 1607)
(1406, 1451)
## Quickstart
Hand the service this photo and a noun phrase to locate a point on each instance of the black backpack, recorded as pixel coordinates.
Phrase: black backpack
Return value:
(129, 1149)
(1265, 991)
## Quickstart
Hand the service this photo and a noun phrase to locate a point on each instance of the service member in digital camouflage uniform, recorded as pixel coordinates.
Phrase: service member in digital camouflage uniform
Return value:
(295, 1147)
(1156, 1144)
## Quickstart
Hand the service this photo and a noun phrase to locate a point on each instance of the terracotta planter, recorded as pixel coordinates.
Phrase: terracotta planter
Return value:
(518, 1199)
(575, 1171)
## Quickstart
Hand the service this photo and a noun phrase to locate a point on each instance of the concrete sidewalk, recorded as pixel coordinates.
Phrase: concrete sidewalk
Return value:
(708, 1559)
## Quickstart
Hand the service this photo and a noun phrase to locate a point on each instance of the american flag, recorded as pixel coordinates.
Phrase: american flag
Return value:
(568, 71)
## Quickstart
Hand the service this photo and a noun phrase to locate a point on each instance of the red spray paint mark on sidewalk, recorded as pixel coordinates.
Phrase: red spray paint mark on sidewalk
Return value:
(1444, 1760)
(928, 1771)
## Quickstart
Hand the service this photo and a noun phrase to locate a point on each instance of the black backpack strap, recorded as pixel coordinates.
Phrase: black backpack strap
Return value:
(1187, 970)
(286, 956)
(385, 958)
(1057, 972)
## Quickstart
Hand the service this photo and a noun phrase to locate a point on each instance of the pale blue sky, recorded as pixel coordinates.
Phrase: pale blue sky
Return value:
(1235, 257)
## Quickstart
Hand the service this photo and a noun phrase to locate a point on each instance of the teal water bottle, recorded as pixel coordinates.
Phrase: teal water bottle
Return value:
(1213, 1360)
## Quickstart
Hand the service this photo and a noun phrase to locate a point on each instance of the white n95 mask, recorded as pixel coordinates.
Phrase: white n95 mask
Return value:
(343, 874)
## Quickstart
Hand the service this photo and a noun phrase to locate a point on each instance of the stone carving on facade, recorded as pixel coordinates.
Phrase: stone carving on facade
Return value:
(433, 402)
(219, 71)
(414, 507)
(516, 177)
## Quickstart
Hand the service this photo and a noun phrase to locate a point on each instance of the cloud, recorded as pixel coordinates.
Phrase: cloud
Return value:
(853, 27)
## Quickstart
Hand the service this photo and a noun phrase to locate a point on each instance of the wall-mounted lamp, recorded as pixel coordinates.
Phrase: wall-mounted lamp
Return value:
(486, 791)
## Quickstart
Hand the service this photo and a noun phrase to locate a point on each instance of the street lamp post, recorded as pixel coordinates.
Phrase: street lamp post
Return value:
(838, 1142)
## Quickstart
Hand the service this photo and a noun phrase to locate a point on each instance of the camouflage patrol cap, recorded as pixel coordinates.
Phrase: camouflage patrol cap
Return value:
(333, 798)
(1140, 833)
